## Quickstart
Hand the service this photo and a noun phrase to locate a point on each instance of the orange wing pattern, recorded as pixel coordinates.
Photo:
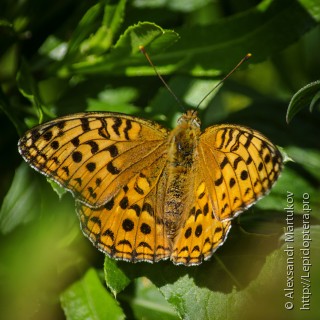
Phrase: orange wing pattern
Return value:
(93, 155)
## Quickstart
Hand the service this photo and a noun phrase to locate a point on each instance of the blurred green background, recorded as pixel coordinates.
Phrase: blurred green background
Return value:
(72, 56)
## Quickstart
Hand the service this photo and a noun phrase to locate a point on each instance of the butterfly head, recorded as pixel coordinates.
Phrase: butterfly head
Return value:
(190, 119)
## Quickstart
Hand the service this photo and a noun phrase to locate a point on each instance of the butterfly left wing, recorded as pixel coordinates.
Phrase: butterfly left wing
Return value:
(111, 163)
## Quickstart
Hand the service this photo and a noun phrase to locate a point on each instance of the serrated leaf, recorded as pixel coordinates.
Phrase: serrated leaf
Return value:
(115, 278)
(198, 55)
(264, 295)
(88, 299)
(309, 95)
(126, 49)
(231, 267)
(248, 273)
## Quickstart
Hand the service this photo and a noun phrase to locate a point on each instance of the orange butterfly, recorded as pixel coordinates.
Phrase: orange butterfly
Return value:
(144, 193)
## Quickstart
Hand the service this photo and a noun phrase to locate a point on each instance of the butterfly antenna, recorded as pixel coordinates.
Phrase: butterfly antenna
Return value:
(245, 58)
(143, 50)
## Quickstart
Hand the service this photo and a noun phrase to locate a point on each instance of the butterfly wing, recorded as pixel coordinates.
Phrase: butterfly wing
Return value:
(201, 234)
(239, 166)
(234, 166)
(130, 225)
(93, 155)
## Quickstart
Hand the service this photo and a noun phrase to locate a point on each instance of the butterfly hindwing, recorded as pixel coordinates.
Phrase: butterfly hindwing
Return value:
(128, 227)
(202, 233)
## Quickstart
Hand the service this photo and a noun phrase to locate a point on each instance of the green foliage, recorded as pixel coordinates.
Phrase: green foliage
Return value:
(72, 56)
(308, 95)
(88, 299)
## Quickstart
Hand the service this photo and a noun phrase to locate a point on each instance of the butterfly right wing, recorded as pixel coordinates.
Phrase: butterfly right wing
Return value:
(201, 233)
(93, 155)
(239, 165)
(235, 166)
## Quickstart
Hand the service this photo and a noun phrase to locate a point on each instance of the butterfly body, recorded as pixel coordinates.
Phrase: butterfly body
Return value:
(182, 147)
(144, 193)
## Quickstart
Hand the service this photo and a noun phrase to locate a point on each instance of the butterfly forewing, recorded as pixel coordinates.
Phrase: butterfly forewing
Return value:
(93, 154)
(240, 165)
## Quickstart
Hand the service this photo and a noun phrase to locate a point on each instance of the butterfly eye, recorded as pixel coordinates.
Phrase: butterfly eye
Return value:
(196, 122)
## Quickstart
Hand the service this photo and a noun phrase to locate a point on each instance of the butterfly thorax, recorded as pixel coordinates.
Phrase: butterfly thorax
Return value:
(183, 143)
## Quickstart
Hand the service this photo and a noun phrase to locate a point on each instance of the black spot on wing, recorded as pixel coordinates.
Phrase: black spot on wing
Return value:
(94, 146)
(77, 156)
(47, 136)
(116, 125)
(85, 124)
(127, 225)
(145, 228)
(127, 129)
(112, 169)
(75, 141)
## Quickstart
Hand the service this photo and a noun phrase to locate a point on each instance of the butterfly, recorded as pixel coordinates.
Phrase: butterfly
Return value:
(145, 193)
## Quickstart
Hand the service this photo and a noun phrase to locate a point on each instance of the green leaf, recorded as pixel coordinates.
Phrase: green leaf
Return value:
(60, 191)
(115, 278)
(96, 30)
(309, 95)
(265, 294)
(29, 89)
(88, 299)
(188, 289)
(313, 7)
(148, 301)
(8, 110)
(115, 99)
(103, 38)
(126, 51)
(20, 205)
(180, 5)
(311, 162)
(85, 27)
(230, 285)
(259, 30)
(275, 200)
